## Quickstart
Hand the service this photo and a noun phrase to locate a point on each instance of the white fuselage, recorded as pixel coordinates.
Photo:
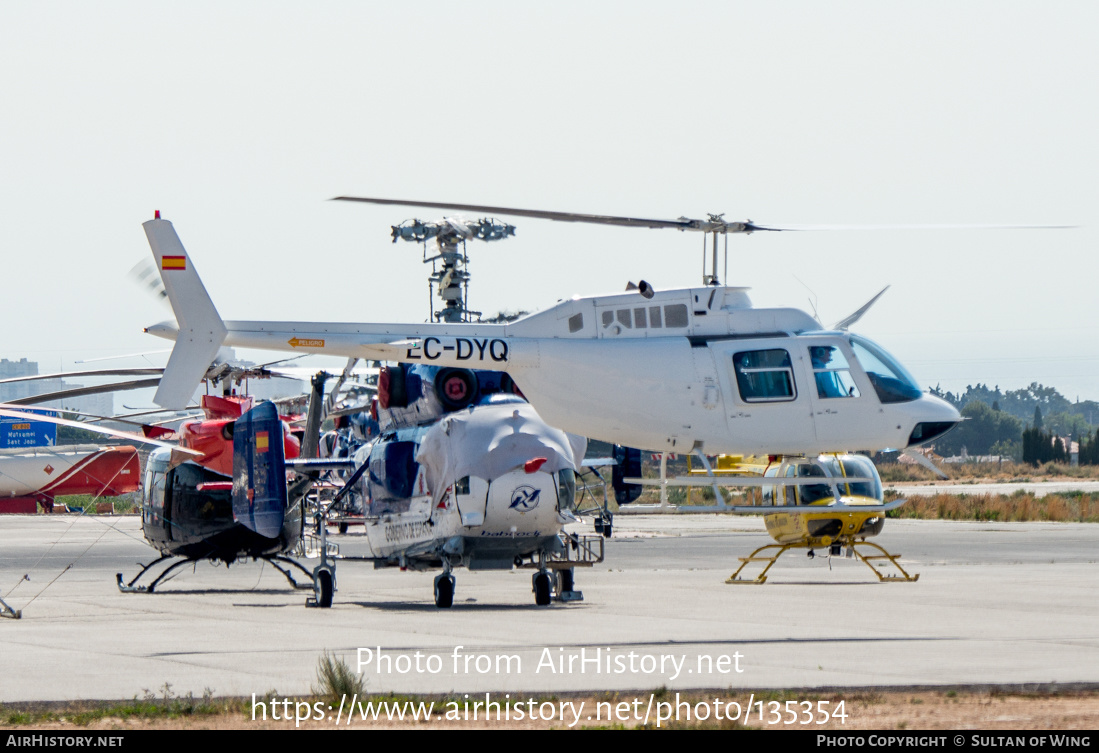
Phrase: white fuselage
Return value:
(653, 372)
(479, 487)
(484, 528)
(671, 387)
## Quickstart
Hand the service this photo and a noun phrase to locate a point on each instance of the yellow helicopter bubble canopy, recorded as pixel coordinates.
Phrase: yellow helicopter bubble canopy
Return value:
(830, 467)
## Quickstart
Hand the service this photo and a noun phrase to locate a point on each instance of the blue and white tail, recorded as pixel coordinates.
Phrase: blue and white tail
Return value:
(201, 330)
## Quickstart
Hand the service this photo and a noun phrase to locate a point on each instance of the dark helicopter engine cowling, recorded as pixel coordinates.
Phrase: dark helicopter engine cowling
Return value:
(415, 394)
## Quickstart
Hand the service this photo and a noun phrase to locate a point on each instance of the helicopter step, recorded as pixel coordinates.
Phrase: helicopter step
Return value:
(310, 547)
(579, 550)
(556, 578)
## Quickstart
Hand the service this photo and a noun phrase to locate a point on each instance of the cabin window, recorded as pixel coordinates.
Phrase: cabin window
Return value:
(811, 493)
(566, 489)
(831, 372)
(154, 497)
(770, 495)
(654, 317)
(790, 493)
(639, 318)
(675, 315)
(624, 318)
(608, 319)
(576, 322)
(764, 376)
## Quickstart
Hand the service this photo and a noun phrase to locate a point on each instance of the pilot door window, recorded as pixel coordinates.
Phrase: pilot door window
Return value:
(831, 372)
(764, 376)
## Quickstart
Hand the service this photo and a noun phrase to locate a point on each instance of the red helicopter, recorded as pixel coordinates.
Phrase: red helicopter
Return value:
(34, 471)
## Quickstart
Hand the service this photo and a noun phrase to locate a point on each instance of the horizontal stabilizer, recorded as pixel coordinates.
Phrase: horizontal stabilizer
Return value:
(750, 481)
(321, 464)
(821, 509)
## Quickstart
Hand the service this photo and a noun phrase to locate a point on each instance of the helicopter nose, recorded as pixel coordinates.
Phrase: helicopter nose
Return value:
(937, 417)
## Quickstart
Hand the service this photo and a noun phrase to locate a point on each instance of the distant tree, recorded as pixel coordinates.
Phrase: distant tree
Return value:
(1037, 424)
(1058, 414)
(68, 435)
(1089, 449)
(982, 429)
(1043, 447)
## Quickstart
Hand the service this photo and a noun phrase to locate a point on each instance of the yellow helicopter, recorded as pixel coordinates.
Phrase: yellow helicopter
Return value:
(832, 501)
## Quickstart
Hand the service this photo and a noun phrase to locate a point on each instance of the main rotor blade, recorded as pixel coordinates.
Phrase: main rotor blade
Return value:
(136, 384)
(91, 418)
(127, 355)
(683, 223)
(964, 226)
(76, 374)
(711, 225)
(7, 413)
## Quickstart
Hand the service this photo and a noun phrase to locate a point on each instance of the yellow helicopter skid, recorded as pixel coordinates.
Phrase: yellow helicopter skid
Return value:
(867, 559)
(904, 577)
(753, 557)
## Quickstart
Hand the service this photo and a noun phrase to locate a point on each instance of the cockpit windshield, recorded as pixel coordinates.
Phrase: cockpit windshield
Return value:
(890, 380)
(854, 466)
(825, 467)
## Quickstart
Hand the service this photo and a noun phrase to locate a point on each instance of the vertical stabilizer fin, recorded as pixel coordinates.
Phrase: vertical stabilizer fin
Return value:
(259, 471)
(201, 330)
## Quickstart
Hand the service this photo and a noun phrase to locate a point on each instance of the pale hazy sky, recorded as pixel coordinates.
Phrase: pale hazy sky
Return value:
(239, 120)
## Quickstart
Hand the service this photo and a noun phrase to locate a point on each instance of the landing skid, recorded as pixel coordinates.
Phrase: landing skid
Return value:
(853, 547)
(6, 611)
(131, 588)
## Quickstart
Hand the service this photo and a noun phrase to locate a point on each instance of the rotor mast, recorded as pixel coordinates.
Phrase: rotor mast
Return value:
(452, 279)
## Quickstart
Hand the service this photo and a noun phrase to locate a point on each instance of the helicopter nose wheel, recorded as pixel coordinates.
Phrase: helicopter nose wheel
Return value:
(444, 590)
(543, 588)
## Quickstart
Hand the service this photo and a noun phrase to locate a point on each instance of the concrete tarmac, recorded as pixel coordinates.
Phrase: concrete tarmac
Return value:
(995, 604)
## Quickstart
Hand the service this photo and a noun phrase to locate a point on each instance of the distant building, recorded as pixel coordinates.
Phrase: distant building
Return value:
(99, 405)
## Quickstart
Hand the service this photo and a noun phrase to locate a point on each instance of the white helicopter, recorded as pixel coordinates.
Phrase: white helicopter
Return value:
(465, 473)
(687, 370)
(695, 370)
